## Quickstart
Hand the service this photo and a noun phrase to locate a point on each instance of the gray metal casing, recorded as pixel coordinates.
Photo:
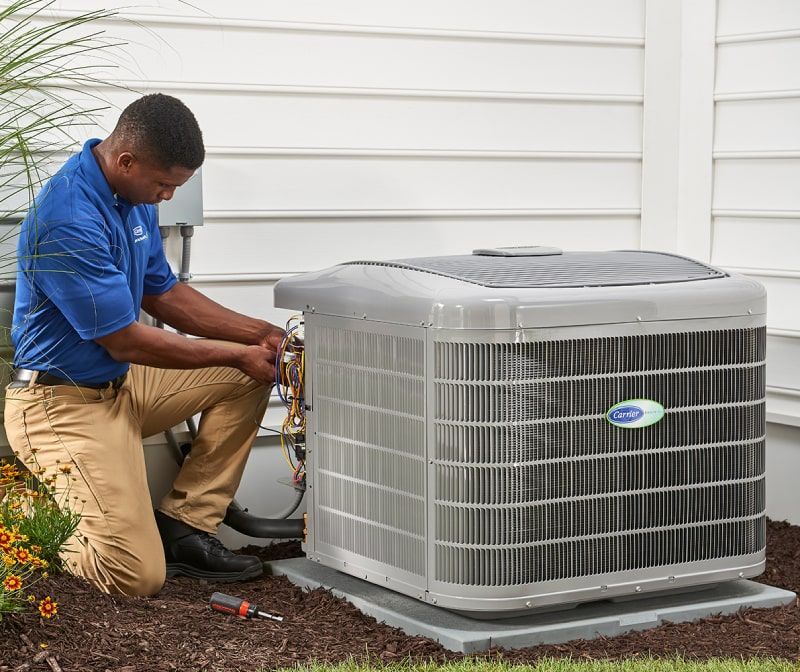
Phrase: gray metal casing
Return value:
(443, 462)
(185, 208)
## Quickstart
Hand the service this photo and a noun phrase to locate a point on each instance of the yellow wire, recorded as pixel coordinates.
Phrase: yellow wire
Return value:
(295, 421)
(285, 452)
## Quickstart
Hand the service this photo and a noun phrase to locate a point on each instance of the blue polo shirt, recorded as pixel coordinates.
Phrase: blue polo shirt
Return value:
(85, 259)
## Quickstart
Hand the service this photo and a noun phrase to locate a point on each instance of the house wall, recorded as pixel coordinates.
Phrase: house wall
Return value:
(756, 202)
(361, 129)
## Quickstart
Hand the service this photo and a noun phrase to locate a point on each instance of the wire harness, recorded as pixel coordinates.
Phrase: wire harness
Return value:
(290, 370)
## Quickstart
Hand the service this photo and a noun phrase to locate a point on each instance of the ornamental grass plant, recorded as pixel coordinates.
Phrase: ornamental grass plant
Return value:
(46, 63)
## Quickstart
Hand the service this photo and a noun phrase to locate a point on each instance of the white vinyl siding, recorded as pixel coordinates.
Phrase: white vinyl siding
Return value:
(756, 202)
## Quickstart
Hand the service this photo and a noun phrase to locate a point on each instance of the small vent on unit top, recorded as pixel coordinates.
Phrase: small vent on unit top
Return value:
(571, 269)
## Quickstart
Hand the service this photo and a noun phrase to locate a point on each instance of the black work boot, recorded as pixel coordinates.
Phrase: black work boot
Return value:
(192, 552)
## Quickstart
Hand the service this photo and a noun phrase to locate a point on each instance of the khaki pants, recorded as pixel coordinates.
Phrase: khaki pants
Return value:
(99, 433)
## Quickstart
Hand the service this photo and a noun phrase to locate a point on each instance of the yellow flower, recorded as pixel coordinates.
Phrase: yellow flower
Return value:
(9, 560)
(22, 555)
(47, 607)
(65, 469)
(12, 582)
(9, 471)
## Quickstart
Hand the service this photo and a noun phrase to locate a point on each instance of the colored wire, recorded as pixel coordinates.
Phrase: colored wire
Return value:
(290, 373)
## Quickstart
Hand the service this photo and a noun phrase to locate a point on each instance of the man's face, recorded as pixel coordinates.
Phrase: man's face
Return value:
(141, 181)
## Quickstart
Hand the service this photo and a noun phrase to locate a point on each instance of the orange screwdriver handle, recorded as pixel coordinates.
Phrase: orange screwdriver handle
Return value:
(227, 604)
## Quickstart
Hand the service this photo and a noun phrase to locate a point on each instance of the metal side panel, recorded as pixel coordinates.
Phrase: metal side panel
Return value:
(535, 498)
(431, 466)
(367, 449)
(309, 545)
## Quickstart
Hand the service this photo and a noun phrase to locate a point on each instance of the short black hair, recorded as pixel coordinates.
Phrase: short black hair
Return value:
(164, 129)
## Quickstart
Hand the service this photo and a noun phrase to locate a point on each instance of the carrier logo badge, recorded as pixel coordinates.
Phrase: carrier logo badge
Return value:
(139, 234)
(634, 413)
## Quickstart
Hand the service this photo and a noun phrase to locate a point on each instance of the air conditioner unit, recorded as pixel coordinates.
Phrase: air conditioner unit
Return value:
(523, 428)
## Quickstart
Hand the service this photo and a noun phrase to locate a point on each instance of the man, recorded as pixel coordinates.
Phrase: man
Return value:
(90, 381)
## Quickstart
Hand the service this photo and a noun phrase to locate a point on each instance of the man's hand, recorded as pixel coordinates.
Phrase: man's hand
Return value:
(258, 362)
(271, 337)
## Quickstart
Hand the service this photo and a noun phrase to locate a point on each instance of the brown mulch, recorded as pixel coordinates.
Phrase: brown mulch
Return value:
(177, 631)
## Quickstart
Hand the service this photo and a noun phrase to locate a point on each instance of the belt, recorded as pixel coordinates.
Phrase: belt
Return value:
(42, 378)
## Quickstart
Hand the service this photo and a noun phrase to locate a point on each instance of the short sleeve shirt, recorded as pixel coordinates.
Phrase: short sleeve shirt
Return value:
(86, 257)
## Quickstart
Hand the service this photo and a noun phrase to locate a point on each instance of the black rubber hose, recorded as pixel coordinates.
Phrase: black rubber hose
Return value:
(264, 528)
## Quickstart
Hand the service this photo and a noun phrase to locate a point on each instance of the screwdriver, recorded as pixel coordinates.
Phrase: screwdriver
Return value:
(228, 604)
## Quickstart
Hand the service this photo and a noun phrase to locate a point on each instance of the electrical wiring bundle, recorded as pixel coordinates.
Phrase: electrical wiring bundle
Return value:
(289, 367)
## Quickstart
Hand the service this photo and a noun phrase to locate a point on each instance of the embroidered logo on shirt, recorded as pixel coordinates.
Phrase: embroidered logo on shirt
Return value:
(140, 234)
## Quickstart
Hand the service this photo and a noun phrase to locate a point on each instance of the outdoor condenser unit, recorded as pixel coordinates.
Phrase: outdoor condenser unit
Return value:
(522, 428)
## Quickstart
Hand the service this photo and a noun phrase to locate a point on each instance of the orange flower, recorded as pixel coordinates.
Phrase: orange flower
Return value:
(22, 555)
(65, 469)
(6, 539)
(12, 582)
(48, 608)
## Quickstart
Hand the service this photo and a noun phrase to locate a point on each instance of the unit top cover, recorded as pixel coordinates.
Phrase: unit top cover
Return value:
(558, 269)
(505, 288)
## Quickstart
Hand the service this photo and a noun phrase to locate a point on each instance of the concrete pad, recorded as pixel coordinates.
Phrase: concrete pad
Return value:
(586, 621)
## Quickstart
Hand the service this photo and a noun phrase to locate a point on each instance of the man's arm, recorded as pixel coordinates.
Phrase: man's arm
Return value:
(140, 344)
(189, 311)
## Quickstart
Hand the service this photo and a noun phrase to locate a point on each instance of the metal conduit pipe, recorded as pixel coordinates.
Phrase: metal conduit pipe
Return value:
(168, 433)
(184, 276)
(164, 231)
(186, 255)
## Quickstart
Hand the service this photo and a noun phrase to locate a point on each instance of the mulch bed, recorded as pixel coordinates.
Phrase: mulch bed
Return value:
(177, 631)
